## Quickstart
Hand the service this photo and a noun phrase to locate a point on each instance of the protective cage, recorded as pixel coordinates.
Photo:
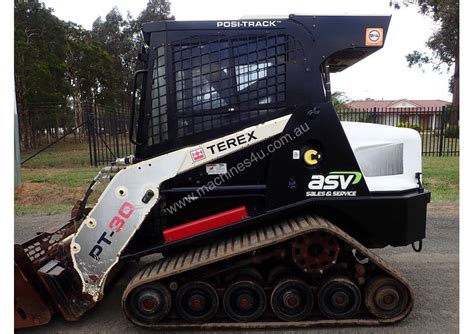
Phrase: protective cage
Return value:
(218, 82)
(208, 78)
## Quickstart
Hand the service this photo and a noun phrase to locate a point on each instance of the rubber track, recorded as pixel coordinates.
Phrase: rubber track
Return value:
(249, 241)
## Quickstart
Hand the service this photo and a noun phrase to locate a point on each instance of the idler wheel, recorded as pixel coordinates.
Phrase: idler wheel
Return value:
(385, 297)
(197, 301)
(149, 303)
(339, 298)
(292, 300)
(244, 301)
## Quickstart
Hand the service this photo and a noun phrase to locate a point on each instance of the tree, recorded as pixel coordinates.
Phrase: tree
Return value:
(39, 69)
(121, 38)
(444, 43)
(60, 65)
(88, 66)
(156, 10)
(114, 34)
(339, 100)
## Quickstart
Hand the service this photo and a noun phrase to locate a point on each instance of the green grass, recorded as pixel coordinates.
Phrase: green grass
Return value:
(52, 190)
(65, 154)
(67, 177)
(55, 179)
(441, 177)
(42, 209)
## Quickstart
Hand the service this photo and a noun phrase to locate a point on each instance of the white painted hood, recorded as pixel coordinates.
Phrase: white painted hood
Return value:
(379, 149)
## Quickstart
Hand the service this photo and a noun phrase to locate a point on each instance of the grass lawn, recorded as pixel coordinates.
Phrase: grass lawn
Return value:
(51, 190)
(441, 177)
(65, 154)
(53, 181)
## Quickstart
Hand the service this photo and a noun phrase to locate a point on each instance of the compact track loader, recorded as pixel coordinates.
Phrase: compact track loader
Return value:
(262, 203)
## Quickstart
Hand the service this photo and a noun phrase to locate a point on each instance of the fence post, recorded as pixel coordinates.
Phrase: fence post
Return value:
(375, 115)
(88, 127)
(17, 147)
(441, 134)
(115, 131)
(91, 134)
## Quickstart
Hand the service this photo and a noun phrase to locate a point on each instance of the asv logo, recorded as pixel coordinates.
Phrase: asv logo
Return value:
(335, 180)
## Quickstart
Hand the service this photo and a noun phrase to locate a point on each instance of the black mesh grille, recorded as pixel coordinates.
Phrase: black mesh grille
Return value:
(220, 81)
(158, 130)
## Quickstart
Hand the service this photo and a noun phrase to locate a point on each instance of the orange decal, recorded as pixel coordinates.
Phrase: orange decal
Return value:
(373, 36)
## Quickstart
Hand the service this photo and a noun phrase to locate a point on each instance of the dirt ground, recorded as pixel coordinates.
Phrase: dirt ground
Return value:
(433, 273)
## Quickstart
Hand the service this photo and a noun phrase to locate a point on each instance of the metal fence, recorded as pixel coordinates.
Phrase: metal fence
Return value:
(107, 130)
(104, 129)
(438, 127)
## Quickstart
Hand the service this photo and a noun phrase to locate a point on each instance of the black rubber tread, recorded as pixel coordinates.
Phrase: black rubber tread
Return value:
(245, 243)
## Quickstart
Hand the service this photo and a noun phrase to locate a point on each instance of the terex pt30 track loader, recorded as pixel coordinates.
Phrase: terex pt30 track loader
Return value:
(263, 204)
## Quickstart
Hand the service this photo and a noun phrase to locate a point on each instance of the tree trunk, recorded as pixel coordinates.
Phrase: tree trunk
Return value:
(57, 128)
(24, 117)
(78, 117)
(30, 136)
(24, 139)
(454, 119)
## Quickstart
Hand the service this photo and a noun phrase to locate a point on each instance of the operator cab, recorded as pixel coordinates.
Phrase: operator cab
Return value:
(204, 79)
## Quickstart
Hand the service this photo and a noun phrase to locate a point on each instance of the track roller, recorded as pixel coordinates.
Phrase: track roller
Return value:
(244, 301)
(197, 302)
(149, 303)
(386, 297)
(292, 300)
(339, 298)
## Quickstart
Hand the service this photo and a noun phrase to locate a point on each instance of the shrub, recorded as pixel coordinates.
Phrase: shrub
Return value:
(452, 131)
(413, 126)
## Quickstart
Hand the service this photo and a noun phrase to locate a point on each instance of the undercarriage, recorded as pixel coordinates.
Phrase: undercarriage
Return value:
(299, 272)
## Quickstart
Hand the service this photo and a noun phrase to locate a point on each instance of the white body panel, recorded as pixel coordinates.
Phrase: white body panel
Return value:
(378, 149)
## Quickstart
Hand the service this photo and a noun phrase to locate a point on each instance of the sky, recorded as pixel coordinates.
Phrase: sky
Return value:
(383, 75)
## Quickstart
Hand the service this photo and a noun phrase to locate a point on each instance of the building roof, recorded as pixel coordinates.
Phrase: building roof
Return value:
(402, 103)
